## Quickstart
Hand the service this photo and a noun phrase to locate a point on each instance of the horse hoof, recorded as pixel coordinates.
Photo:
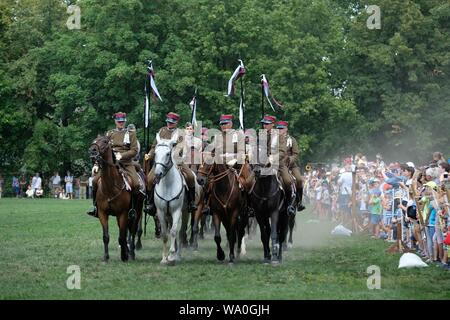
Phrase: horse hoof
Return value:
(105, 258)
(266, 261)
(290, 245)
(220, 256)
(231, 263)
(275, 263)
(285, 247)
(138, 246)
(163, 261)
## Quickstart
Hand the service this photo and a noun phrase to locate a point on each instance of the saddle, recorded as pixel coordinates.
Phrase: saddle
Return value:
(128, 181)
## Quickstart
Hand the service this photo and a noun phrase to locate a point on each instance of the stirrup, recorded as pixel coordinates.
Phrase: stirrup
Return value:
(300, 207)
(290, 210)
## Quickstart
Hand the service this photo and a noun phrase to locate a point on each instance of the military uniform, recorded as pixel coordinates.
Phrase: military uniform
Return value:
(125, 142)
(282, 164)
(125, 145)
(291, 162)
(166, 133)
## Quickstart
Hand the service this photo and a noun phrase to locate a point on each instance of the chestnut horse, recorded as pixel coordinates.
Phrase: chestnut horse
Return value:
(113, 199)
(227, 202)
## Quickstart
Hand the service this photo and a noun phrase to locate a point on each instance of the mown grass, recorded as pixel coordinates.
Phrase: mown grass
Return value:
(41, 238)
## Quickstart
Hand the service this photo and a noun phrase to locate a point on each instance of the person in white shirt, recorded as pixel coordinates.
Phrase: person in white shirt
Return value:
(36, 183)
(68, 179)
(345, 186)
(56, 180)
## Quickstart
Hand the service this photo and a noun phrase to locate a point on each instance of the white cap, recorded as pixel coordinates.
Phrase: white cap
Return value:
(410, 164)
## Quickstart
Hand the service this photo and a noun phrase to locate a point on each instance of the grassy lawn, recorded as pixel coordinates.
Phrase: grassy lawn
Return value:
(41, 238)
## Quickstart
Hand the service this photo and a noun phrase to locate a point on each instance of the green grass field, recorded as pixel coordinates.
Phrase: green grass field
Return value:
(41, 238)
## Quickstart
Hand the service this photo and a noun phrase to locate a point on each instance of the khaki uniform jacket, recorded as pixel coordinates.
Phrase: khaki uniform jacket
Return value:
(230, 144)
(165, 133)
(125, 142)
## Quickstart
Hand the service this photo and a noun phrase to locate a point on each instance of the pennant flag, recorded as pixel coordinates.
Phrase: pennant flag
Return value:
(151, 75)
(268, 94)
(238, 73)
(193, 105)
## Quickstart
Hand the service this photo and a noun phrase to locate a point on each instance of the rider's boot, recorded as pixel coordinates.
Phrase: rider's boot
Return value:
(300, 206)
(93, 210)
(150, 207)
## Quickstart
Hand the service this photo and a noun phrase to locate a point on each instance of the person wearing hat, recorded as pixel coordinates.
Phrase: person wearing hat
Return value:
(292, 155)
(230, 145)
(124, 144)
(268, 122)
(166, 133)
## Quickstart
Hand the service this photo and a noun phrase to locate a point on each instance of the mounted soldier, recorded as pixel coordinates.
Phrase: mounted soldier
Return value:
(167, 133)
(291, 159)
(289, 188)
(125, 147)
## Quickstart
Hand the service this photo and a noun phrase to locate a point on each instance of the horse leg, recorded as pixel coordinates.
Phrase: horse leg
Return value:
(198, 215)
(202, 227)
(176, 216)
(291, 230)
(231, 236)
(217, 238)
(264, 228)
(242, 225)
(139, 233)
(103, 217)
(183, 230)
(164, 234)
(274, 237)
(122, 220)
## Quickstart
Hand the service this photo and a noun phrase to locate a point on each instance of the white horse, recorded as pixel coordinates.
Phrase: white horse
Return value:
(170, 198)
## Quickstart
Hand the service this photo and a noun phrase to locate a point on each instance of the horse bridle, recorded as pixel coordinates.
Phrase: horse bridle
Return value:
(165, 166)
(98, 158)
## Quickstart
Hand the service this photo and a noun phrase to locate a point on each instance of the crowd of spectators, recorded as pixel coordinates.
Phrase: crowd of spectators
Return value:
(397, 202)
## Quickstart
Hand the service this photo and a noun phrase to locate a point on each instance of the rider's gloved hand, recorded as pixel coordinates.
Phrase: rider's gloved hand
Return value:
(146, 157)
(95, 169)
(232, 162)
(118, 155)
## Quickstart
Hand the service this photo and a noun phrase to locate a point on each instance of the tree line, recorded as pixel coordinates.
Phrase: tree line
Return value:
(345, 88)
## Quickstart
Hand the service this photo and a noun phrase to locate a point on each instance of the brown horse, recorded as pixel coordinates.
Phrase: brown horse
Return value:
(113, 199)
(227, 202)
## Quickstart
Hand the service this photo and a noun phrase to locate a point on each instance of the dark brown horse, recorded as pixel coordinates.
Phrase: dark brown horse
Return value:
(267, 199)
(227, 203)
(113, 199)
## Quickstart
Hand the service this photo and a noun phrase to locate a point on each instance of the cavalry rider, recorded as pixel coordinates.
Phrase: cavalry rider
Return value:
(125, 146)
(192, 148)
(228, 148)
(292, 155)
(268, 124)
(166, 133)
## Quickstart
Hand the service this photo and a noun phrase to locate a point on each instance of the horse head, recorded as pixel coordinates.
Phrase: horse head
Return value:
(164, 156)
(203, 172)
(99, 148)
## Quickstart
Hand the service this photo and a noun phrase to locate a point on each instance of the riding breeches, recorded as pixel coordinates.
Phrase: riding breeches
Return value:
(286, 179)
(298, 177)
(131, 171)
